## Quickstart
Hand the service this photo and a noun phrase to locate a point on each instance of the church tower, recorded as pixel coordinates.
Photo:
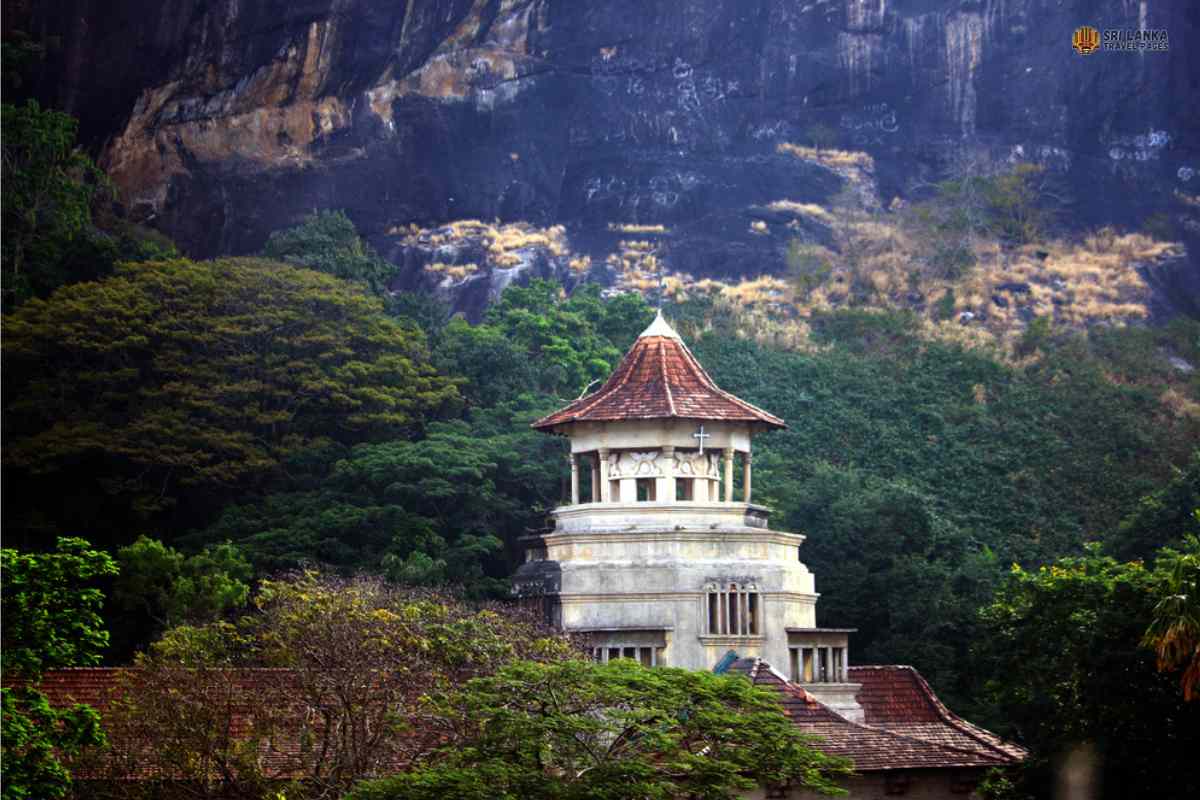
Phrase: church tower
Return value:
(660, 555)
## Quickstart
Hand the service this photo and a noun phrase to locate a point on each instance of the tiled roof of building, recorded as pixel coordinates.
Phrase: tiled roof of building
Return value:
(899, 699)
(905, 726)
(94, 686)
(910, 730)
(236, 702)
(659, 378)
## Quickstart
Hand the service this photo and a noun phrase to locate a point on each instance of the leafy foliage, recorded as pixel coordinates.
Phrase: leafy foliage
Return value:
(427, 511)
(1161, 517)
(327, 241)
(48, 189)
(51, 610)
(1174, 632)
(572, 341)
(161, 587)
(37, 738)
(51, 619)
(450, 507)
(178, 381)
(326, 675)
(1064, 660)
(582, 730)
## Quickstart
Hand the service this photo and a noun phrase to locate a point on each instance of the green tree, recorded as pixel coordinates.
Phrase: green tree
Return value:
(449, 507)
(161, 587)
(51, 619)
(430, 511)
(495, 366)
(1160, 518)
(327, 241)
(1063, 656)
(48, 188)
(325, 674)
(181, 384)
(1174, 632)
(572, 341)
(577, 729)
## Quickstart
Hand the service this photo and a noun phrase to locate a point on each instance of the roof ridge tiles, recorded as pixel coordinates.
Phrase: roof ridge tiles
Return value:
(662, 364)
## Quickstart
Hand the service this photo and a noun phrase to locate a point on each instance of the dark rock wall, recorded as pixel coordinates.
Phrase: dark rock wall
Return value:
(224, 120)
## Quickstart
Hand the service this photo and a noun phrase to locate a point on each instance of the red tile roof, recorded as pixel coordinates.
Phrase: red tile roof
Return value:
(908, 730)
(94, 686)
(899, 699)
(659, 378)
(235, 704)
(905, 726)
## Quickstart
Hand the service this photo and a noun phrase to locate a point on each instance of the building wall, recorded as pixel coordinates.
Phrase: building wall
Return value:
(629, 580)
(925, 784)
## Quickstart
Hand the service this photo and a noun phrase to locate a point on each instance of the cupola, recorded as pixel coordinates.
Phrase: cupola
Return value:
(659, 432)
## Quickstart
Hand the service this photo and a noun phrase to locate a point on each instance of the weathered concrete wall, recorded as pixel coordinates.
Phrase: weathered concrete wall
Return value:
(616, 577)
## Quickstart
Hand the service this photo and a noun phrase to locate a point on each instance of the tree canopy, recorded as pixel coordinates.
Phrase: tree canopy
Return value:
(326, 674)
(618, 731)
(1062, 652)
(178, 376)
(328, 242)
(51, 610)
(48, 190)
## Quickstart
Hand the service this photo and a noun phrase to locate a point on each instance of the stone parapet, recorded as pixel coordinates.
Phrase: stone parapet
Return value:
(648, 516)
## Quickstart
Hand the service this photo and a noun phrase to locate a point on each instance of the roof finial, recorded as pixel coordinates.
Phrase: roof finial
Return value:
(660, 327)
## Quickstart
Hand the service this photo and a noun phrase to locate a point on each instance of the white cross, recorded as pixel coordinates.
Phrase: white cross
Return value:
(701, 435)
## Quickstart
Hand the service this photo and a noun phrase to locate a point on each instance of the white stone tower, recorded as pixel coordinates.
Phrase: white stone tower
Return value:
(660, 554)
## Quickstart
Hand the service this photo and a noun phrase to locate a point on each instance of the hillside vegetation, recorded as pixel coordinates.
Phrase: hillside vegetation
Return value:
(213, 424)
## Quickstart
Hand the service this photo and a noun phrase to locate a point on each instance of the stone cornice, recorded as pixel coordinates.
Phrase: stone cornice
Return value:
(749, 535)
(647, 597)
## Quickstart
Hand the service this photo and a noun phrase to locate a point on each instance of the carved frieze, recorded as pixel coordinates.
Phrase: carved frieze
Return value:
(697, 465)
(631, 464)
(652, 463)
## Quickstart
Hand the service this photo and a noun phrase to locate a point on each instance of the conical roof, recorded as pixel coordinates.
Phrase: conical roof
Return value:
(659, 378)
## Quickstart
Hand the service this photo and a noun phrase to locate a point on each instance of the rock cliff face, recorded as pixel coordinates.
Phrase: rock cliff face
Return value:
(224, 120)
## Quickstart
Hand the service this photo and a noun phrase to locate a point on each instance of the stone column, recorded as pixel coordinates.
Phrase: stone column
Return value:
(595, 478)
(574, 479)
(602, 453)
(728, 455)
(747, 487)
(665, 488)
